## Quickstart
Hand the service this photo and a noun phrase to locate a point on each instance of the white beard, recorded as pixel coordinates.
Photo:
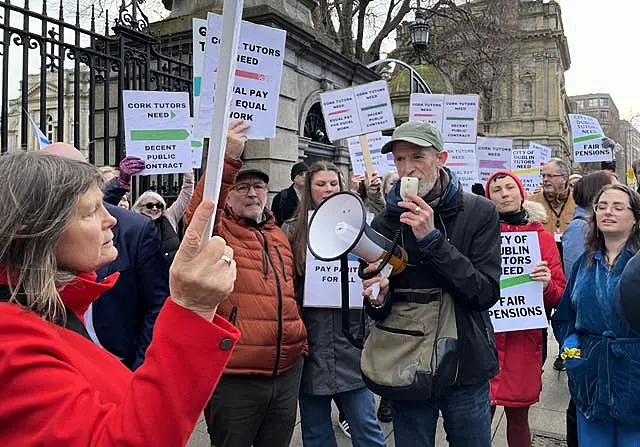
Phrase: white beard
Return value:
(425, 187)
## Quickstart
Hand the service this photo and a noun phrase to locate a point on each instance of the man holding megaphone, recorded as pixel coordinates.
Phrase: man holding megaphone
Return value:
(432, 348)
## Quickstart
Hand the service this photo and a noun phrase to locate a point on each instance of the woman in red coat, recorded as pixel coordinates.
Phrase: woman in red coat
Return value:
(58, 388)
(519, 382)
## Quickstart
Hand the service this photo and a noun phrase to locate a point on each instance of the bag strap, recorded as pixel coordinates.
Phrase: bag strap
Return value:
(73, 322)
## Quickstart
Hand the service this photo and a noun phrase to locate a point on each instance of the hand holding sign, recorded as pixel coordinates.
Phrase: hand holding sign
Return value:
(420, 218)
(236, 139)
(541, 272)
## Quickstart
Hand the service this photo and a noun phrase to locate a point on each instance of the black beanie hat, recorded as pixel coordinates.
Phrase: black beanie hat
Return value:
(298, 168)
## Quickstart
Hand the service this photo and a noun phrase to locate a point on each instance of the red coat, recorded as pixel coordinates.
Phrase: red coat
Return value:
(60, 389)
(519, 381)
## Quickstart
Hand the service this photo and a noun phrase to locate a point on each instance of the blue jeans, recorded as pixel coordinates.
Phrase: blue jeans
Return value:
(606, 433)
(359, 409)
(465, 410)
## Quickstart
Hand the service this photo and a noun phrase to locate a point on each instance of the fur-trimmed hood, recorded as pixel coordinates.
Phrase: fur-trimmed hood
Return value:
(535, 211)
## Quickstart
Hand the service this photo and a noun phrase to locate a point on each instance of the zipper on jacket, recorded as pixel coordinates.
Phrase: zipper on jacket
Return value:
(279, 290)
(284, 272)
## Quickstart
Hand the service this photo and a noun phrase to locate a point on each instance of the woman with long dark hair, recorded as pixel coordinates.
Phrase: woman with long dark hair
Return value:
(332, 370)
(600, 350)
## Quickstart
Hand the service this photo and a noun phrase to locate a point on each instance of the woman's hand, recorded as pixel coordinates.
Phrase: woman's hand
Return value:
(236, 139)
(541, 272)
(375, 184)
(202, 273)
(356, 179)
(368, 291)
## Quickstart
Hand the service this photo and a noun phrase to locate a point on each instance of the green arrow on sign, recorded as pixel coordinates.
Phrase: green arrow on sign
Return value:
(173, 115)
(515, 281)
(160, 134)
(196, 143)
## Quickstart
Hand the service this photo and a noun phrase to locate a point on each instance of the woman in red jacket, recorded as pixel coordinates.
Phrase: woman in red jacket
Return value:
(60, 389)
(519, 382)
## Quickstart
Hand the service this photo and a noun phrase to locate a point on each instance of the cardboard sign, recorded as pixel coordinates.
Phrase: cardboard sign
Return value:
(544, 151)
(587, 140)
(462, 162)
(525, 163)
(196, 152)
(425, 107)
(158, 130)
(379, 161)
(357, 111)
(199, 44)
(256, 90)
(521, 305)
(322, 286)
(494, 154)
(460, 121)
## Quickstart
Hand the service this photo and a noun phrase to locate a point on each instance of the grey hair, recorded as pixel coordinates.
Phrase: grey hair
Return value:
(40, 194)
(144, 197)
(387, 177)
(563, 165)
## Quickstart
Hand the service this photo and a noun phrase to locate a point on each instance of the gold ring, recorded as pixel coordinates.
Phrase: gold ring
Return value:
(226, 259)
(417, 210)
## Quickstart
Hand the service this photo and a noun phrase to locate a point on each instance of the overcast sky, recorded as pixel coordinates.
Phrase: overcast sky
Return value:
(603, 41)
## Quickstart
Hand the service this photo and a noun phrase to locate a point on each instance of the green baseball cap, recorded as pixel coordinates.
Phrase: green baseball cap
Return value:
(419, 133)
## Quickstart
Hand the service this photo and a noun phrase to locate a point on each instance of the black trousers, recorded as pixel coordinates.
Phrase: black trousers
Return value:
(248, 410)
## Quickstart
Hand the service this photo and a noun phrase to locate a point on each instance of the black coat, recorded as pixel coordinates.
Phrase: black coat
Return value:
(464, 259)
(284, 205)
(124, 316)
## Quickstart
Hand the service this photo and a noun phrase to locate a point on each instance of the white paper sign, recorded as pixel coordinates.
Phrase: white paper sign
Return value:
(378, 160)
(544, 151)
(587, 140)
(196, 152)
(356, 111)
(322, 287)
(521, 306)
(425, 107)
(462, 161)
(525, 163)
(494, 154)
(158, 130)
(257, 80)
(199, 44)
(460, 118)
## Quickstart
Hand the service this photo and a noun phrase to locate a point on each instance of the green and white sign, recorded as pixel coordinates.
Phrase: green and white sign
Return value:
(520, 306)
(587, 140)
(158, 130)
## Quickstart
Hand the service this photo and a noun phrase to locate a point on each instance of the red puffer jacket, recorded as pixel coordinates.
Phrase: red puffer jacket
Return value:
(273, 336)
(520, 352)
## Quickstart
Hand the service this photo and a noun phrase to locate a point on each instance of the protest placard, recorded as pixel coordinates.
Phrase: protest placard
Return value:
(256, 89)
(378, 160)
(425, 107)
(158, 130)
(525, 163)
(520, 306)
(322, 287)
(544, 151)
(460, 118)
(199, 44)
(462, 162)
(586, 135)
(493, 154)
(196, 152)
(357, 110)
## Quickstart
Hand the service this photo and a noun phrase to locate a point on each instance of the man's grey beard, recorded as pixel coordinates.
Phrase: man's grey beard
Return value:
(425, 188)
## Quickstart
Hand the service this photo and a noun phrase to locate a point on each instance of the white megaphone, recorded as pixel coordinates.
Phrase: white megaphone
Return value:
(339, 226)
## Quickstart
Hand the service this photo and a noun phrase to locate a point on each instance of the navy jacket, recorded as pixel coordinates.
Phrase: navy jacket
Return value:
(124, 316)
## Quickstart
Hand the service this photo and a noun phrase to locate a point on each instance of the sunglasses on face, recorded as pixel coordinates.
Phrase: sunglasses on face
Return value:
(152, 205)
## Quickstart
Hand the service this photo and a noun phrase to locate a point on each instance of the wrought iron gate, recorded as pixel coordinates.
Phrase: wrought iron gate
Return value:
(70, 76)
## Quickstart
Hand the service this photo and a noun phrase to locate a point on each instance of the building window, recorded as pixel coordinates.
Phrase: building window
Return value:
(593, 102)
(580, 104)
(604, 102)
(604, 115)
(526, 95)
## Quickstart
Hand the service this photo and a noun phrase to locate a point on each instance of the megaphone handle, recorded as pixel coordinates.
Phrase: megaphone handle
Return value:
(375, 288)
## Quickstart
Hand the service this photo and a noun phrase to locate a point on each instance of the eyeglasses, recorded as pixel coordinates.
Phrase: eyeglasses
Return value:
(243, 188)
(152, 205)
(551, 175)
(615, 208)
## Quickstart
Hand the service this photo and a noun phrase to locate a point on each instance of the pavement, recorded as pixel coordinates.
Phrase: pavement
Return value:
(547, 418)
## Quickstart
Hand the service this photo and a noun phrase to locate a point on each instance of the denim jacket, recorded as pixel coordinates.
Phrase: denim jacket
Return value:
(605, 379)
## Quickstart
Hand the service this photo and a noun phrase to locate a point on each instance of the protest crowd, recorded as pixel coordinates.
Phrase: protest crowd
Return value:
(119, 328)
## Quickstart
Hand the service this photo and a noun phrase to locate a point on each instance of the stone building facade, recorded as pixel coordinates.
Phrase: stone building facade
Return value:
(311, 65)
(529, 101)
